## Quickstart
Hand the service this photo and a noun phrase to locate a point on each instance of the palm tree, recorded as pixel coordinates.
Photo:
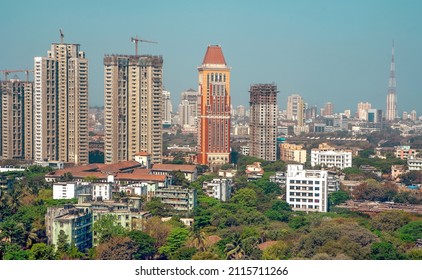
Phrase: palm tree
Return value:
(198, 239)
(234, 250)
(14, 199)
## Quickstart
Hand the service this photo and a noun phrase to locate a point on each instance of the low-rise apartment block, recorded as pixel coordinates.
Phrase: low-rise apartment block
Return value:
(330, 157)
(292, 153)
(219, 188)
(177, 197)
(306, 190)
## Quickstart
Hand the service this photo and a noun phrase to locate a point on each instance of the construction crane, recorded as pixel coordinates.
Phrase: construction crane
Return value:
(7, 72)
(136, 40)
(61, 36)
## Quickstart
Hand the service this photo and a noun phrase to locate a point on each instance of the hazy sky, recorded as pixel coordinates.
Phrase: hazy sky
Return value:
(327, 51)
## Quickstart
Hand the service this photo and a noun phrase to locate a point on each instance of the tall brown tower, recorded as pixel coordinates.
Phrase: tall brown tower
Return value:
(214, 113)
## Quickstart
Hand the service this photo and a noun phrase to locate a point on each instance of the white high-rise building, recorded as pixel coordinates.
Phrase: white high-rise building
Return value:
(167, 107)
(306, 190)
(188, 109)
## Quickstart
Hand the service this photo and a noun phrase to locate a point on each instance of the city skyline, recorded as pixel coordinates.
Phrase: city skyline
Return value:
(326, 52)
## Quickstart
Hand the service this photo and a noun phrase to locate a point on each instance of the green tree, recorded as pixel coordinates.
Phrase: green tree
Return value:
(145, 244)
(42, 251)
(184, 253)
(278, 251)
(411, 232)
(62, 243)
(390, 220)
(338, 197)
(157, 208)
(179, 179)
(245, 197)
(14, 252)
(384, 251)
(106, 227)
(205, 256)
(175, 240)
(66, 177)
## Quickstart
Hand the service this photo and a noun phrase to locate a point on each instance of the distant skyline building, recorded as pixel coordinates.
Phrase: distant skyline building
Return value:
(263, 121)
(16, 113)
(391, 111)
(133, 94)
(61, 105)
(215, 108)
(413, 115)
(240, 111)
(328, 109)
(362, 112)
(296, 108)
(167, 107)
(188, 109)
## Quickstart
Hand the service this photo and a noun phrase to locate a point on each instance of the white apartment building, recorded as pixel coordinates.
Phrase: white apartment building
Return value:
(306, 190)
(339, 159)
(414, 164)
(69, 190)
(219, 188)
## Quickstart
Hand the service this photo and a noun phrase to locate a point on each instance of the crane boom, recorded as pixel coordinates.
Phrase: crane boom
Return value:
(136, 40)
(7, 72)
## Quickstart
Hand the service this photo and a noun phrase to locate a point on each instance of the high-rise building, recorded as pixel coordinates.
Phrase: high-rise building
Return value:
(240, 111)
(16, 119)
(413, 115)
(375, 116)
(328, 109)
(263, 121)
(61, 105)
(133, 96)
(188, 108)
(362, 111)
(391, 112)
(311, 112)
(167, 107)
(405, 115)
(214, 124)
(295, 109)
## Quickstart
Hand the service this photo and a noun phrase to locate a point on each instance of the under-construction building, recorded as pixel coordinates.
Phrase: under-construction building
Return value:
(263, 121)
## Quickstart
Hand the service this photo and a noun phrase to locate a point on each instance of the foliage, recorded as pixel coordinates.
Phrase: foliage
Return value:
(184, 253)
(338, 197)
(179, 179)
(298, 222)
(175, 240)
(116, 248)
(372, 190)
(158, 230)
(42, 251)
(245, 197)
(157, 208)
(390, 220)
(145, 244)
(106, 227)
(411, 232)
(278, 251)
(14, 252)
(412, 177)
(384, 251)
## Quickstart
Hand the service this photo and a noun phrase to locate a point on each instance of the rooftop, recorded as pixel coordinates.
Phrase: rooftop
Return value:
(214, 55)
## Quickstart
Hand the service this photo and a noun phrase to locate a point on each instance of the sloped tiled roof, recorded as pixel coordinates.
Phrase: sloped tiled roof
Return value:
(214, 55)
(173, 167)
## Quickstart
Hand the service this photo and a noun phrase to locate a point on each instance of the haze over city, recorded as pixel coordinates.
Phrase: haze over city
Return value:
(327, 51)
